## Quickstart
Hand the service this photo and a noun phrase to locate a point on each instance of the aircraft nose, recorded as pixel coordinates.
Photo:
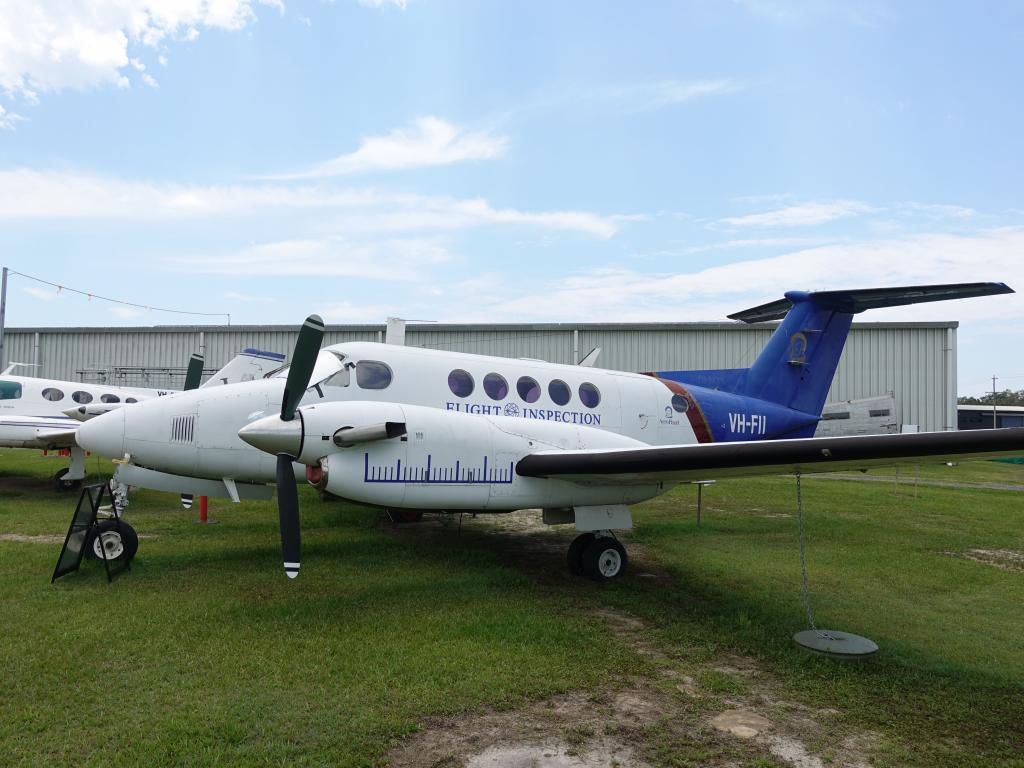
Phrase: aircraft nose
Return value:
(104, 434)
(274, 435)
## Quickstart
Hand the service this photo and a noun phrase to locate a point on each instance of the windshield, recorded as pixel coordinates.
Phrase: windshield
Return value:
(327, 364)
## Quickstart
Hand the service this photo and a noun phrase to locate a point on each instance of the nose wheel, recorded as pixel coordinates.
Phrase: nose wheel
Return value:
(598, 556)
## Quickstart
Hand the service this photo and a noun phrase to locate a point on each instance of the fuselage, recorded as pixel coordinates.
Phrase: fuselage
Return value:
(33, 408)
(545, 405)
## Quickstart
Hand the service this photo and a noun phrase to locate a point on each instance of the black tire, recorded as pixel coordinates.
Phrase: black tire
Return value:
(605, 559)
(62, 485)
(119, 548)
(402, 516)
(576, 550)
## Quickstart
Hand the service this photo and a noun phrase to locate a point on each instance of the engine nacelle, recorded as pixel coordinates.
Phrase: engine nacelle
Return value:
(449, 460)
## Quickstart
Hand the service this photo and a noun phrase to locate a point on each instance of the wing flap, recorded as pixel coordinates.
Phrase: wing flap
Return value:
(681, 463)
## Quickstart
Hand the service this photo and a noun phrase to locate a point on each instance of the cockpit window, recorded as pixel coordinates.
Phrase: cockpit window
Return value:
(327, 364)
(372, 375)
(10, 390)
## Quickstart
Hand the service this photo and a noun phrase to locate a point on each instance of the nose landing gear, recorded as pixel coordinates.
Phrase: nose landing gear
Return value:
(597, 555)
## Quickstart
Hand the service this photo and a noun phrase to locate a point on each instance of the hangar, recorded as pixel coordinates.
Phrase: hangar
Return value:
(914, 363)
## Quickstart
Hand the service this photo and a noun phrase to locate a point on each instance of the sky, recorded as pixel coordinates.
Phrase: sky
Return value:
(518, 161)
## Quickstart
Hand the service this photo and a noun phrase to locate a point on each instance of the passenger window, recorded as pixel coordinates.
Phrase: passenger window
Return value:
(110, 399)
(81, 397)
(559, 392)
(589, 395)
(130, 400)
(10, 390)
(52, 394)
(460, 383)
(680, 403)
(528, 389)
(495, 386)
(372, 375)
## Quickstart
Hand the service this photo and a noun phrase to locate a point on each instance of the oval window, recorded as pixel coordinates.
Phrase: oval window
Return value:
(460, 383)
(81, 397)
(590, 396)
(110, 399)
(680, 403)
(52, 394)
(495, 386)
(528, 389)
(372, 375)
(130, 400)
(559, 392)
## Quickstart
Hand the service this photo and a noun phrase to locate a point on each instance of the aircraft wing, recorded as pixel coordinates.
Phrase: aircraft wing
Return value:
(707, 461)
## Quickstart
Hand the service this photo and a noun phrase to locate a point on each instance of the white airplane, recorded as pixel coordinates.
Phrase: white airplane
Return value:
(417, 429)
(34, 412)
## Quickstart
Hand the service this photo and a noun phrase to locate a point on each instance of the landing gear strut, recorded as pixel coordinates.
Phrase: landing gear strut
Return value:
(599, 556)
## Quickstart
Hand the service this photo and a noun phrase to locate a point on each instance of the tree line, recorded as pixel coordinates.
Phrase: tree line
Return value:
(1006, 397)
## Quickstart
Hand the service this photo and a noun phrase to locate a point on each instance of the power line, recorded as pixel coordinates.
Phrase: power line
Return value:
(91, 295)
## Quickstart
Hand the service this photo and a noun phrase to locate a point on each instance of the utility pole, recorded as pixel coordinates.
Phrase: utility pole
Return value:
(994, 424)
(3, 312)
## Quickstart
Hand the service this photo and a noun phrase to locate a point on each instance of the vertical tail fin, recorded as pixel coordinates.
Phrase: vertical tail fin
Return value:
(797, 366)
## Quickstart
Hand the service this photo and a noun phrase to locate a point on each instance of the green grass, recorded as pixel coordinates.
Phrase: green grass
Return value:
(207, 655)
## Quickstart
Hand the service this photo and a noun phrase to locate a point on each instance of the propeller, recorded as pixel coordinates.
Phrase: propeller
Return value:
(307, 347)
(194, 373)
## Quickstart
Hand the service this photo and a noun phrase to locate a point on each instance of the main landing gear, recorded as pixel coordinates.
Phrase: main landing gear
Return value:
(597, 555)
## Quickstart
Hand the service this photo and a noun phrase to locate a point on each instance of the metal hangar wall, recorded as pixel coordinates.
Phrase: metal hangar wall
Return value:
(916, 362)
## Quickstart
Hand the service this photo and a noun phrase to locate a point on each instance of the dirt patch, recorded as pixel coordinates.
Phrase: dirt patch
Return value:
(1003, 559)
(631, 722)
(26, 539)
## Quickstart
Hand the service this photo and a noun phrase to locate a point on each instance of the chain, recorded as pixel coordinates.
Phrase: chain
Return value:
(803, 562)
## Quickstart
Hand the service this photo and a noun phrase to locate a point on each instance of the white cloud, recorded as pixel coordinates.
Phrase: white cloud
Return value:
(629, 295)
(430, 141)
(245, 297)
(43, 294)
(28, 194)
(663, 93)
(126, 313)
(940, 211)
(391, 260)
(401, 4)
(49, 45)
(801, 215)
(9, 120)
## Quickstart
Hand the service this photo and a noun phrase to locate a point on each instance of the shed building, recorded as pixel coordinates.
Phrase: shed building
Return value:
(914, 362)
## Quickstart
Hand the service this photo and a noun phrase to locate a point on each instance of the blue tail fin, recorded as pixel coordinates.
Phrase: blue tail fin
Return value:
(796, 367)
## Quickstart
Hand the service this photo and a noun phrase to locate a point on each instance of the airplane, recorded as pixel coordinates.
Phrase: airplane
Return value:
(418, 429)
(34, 412)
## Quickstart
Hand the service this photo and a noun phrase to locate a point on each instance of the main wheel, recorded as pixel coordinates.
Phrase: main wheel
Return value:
(405, 515)
(118, 544)
(604, 559)
(576, 550)
(62, 485)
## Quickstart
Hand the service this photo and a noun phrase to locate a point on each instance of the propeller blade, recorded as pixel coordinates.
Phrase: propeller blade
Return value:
(307, 347)
(194, 374)
(288, 513)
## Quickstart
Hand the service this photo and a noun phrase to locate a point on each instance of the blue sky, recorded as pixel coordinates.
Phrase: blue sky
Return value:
(516, 161)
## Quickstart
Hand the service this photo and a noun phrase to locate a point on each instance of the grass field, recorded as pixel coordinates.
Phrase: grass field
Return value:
(205, 654)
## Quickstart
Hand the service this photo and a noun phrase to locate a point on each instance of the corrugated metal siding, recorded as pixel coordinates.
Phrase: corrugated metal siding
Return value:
(907, 359)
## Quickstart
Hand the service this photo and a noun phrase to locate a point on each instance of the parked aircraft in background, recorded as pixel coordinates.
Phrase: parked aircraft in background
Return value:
(419, 429)
(35, 412)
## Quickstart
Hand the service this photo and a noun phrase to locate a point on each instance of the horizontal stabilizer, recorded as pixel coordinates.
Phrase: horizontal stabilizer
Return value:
(682, 463)
(855, 301)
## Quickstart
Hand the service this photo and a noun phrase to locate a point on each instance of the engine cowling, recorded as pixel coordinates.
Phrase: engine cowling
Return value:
(447, 460)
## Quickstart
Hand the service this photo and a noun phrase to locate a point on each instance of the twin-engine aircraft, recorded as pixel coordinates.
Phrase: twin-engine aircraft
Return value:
(417, 429)
(46, 413)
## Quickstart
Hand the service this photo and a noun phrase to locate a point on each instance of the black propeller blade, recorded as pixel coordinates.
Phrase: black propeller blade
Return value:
(194, 373)
(307, 348)
(288, 515)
